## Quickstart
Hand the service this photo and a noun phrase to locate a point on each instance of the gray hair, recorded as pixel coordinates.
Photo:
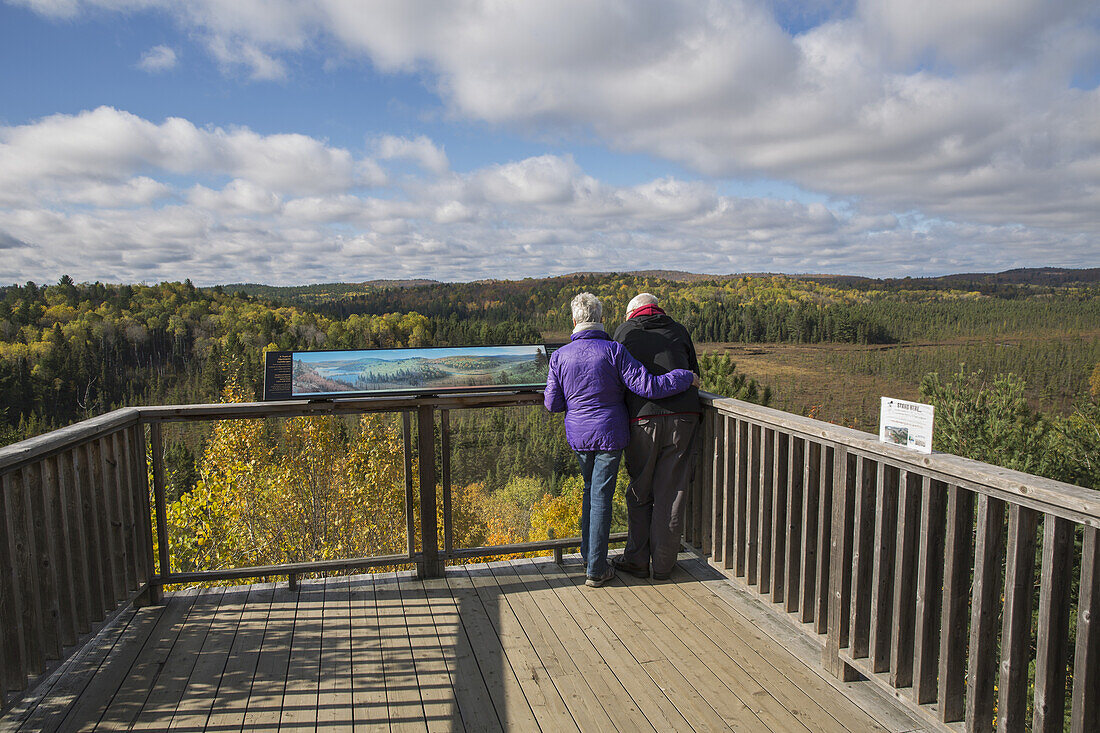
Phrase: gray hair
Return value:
(587, 308)
(639, 300)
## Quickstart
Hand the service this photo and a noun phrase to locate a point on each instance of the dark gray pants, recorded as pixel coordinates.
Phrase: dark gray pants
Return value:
(659, 461)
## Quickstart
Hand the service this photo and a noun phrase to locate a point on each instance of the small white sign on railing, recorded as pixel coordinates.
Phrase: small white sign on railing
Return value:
(904, 423)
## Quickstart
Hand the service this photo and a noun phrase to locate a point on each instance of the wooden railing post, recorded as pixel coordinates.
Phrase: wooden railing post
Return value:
(958, 560)
(1052, 649)
(989, 549)
(429, 565)
(445, 478)
(14, 661)
(841, 556)
(410, 495)
(145, 513)
(156, 445)
(1016, 618)
(1086, 664)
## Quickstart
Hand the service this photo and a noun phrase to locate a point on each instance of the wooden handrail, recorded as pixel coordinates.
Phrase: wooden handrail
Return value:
(1064, 500)
(75, 540)
(54, 442)
(914, 570)
(350, 406)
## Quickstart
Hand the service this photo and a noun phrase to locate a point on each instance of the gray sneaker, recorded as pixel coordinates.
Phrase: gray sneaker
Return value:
(602, 580)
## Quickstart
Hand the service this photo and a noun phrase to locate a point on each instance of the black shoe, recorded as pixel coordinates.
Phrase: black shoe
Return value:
(662, 576)
(638, 571)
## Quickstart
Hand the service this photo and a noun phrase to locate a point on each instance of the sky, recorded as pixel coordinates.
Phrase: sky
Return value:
(305, 141)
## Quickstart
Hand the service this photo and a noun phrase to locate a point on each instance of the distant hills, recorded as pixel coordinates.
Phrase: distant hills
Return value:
(1046, 276)
(1042, 276)
(321, 289)
(984, 281)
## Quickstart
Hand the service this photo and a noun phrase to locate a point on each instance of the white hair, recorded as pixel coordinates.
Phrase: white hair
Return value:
(639, 300)
(587, 308)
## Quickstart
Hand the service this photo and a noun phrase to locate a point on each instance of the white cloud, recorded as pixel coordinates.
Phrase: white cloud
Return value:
(158, 58)
(953, 129)
(261, 66)
(420, 150)
(968, 34)
(547, 179)
(109, 145)
(137, 191)
(115, 197)
(961, 110)
(237, 197)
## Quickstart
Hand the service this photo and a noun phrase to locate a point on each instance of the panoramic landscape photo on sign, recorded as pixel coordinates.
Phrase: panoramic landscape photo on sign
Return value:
(291, 374)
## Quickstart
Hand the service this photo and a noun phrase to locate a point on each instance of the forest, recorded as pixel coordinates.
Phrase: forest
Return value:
(1012, 365)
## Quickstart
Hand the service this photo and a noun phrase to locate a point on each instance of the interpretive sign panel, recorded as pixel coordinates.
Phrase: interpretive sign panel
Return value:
(907, 424)
(322, 374)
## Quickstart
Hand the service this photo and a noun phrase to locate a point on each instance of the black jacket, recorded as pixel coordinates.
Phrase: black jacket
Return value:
(661, 344)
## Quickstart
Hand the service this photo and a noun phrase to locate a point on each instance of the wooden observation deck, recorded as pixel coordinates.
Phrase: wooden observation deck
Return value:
(829, 582)
(515, 645)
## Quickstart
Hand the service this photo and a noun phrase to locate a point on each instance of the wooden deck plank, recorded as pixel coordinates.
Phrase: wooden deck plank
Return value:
(106, 680)
(46, 706)
(640, 641)
(130, 698)
(406, 709)
(202, 684)
(618, 600)
(368, 682)
(432, 676)
(231, 701)
(660, 712)
(692, 704)
(542, 695)
(334, 707)
(471, 692)
(265, 697)
(794, 685)
(501, 676)
(516, 645)
(697, 642)
(571, 642)
(785, 645)
(299, 704)
(178, 660)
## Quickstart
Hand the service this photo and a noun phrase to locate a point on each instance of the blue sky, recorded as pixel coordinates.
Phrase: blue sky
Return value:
(325, 140)
(74, 65)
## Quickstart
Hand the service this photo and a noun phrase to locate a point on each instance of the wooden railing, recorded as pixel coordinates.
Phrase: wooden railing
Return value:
(76, 544)
(917, 571)
(77, 512)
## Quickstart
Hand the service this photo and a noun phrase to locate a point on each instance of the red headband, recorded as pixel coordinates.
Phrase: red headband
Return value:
(649, 309)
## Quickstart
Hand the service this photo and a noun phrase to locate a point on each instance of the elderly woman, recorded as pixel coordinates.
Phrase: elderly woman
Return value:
(588, 381)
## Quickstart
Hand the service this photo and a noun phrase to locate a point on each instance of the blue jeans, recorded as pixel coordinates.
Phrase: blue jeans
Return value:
(599, 470)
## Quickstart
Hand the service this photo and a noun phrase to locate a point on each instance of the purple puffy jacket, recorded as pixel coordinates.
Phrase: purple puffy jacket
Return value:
(588, 380)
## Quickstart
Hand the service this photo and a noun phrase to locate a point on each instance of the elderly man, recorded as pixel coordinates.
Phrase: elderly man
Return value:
(662, 432)
(588, 379)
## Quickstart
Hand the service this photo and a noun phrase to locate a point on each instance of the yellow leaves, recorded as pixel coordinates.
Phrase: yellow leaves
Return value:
(305, 489)
(562, 513)
(62, 313)
(14, 351)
